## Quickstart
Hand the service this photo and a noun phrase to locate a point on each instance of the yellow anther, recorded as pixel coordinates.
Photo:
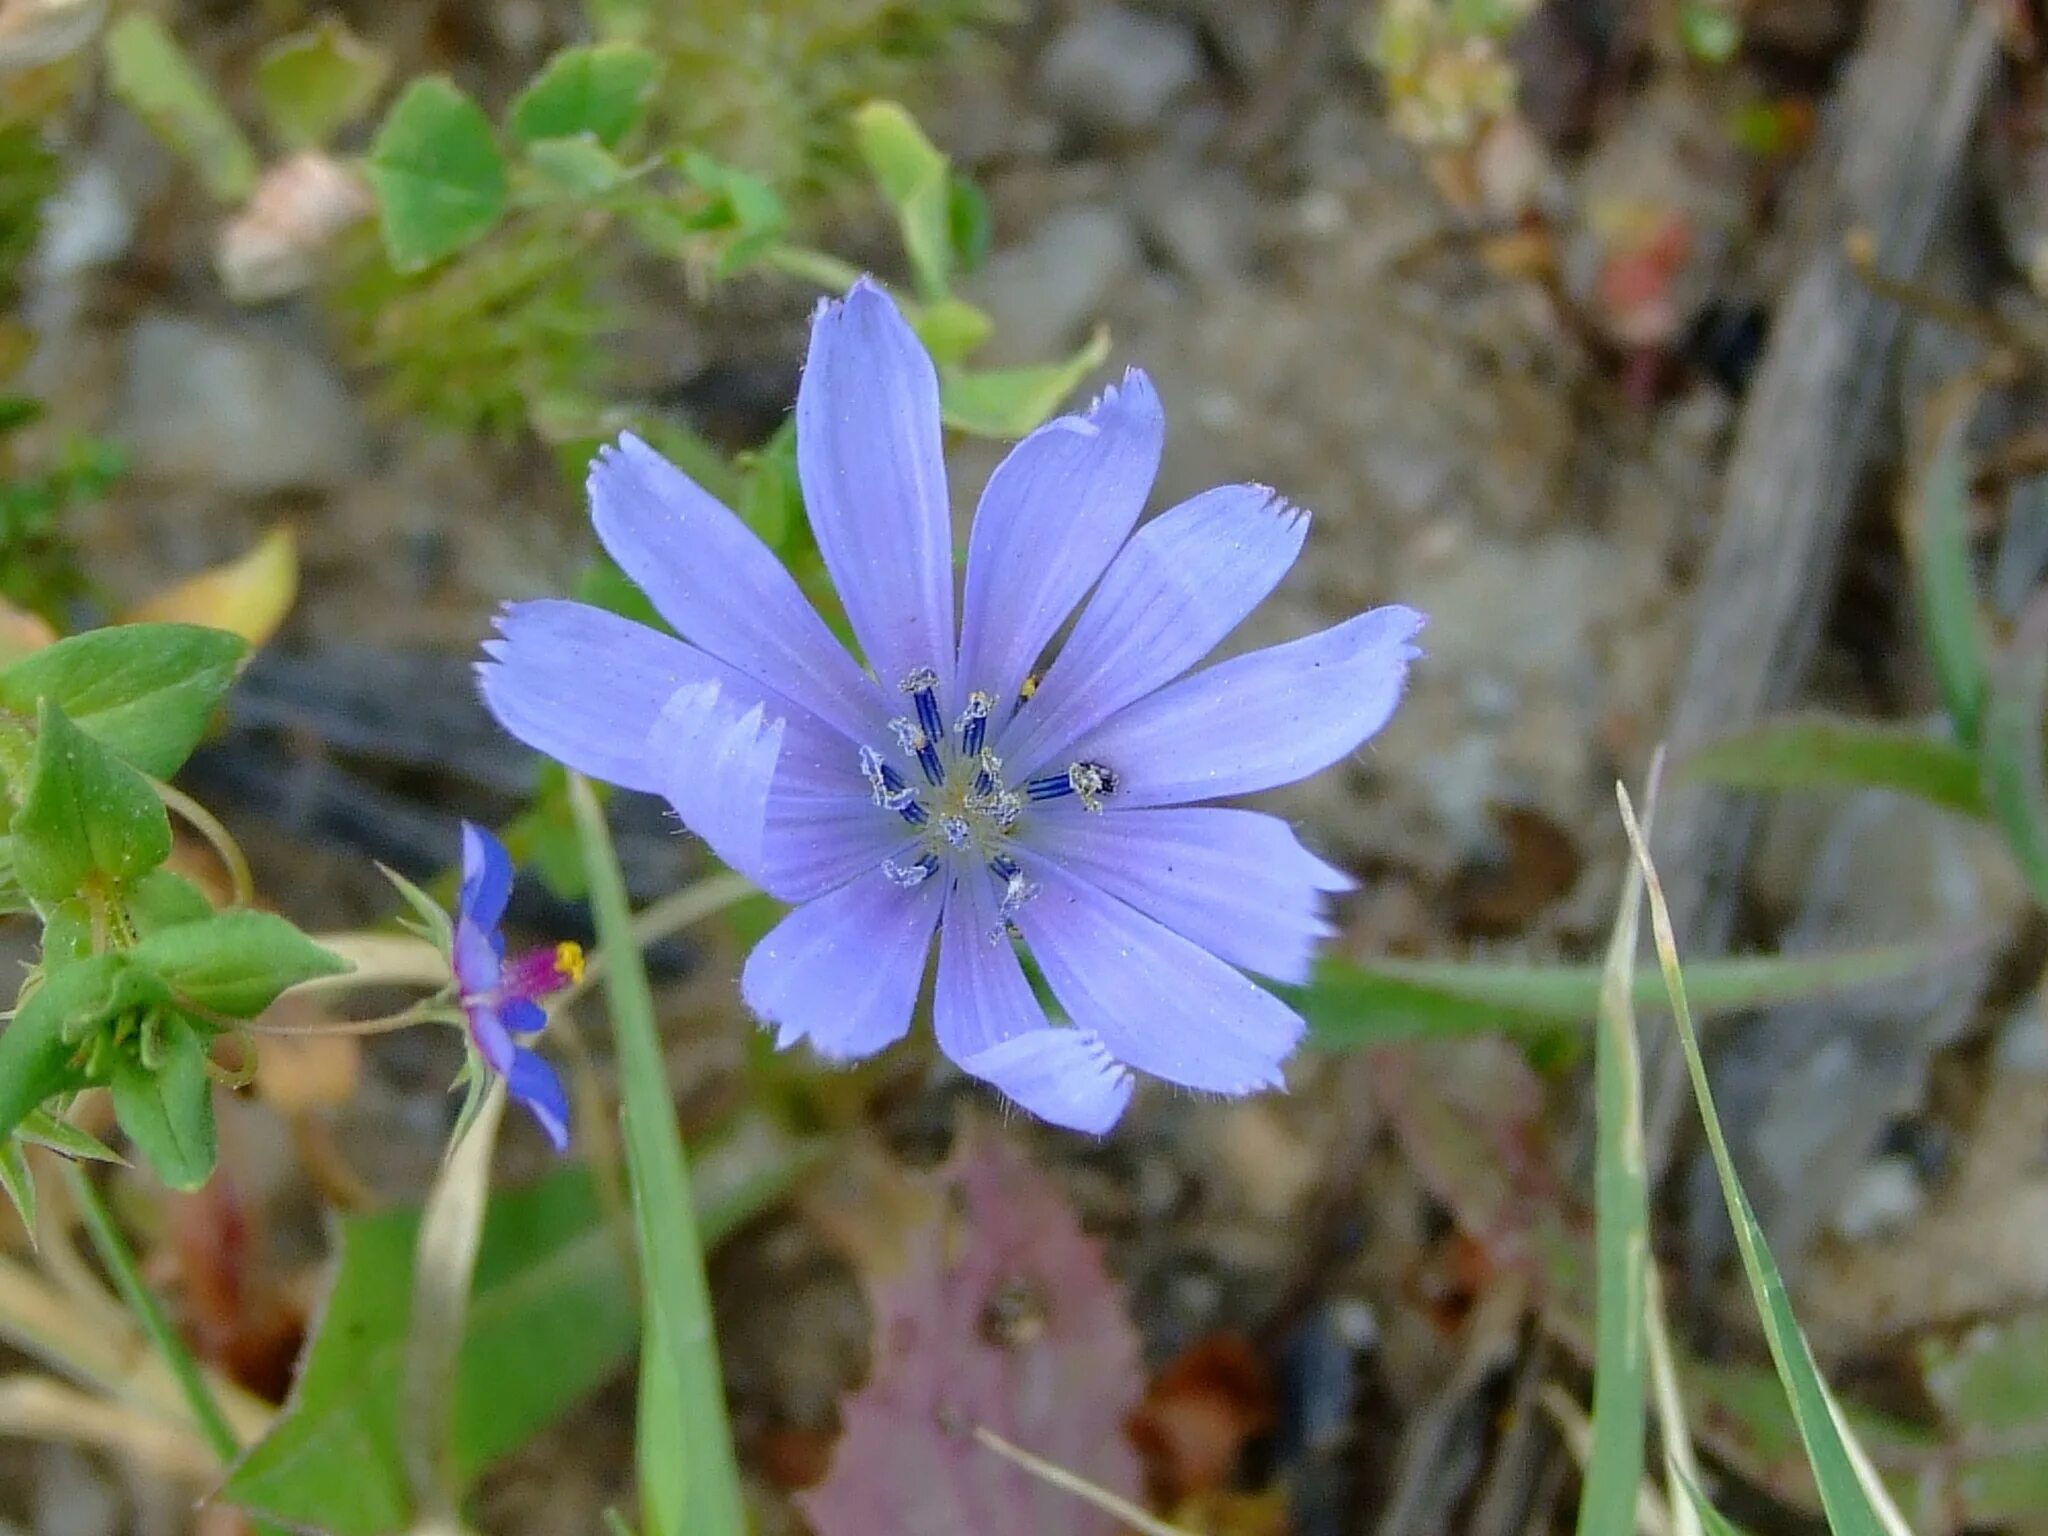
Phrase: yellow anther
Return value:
(569, 960)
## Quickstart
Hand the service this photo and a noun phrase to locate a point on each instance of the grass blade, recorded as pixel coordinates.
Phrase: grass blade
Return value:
(2014, 779)
(1853, 1499)
(1830, 752)
(1937, 539)
(1681, 1467)
(444, 1264)
(1614, 1464)
(689, 1477)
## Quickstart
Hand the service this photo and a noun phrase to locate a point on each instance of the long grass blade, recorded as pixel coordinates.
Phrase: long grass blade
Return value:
(689, 1477)
(1614, 1463)
(1853, 1499)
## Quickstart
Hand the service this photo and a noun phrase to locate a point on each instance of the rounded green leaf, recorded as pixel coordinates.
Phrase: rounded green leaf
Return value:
(439, 179)
(234, 962)
(166, 1109)
(88, 821)
(149, 71)
(314, 82)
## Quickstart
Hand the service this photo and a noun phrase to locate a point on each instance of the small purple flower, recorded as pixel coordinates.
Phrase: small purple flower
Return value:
(955, 791)
(500, 998)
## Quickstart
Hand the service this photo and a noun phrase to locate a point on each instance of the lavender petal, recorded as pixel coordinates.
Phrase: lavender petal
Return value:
(493, 1041)
(1266, 718)
(1184, 581)
(1054, 512)
(584, 686)
(722, 588)
(1238, 883)
(874, 483)
(1065, 1077)
(843, 971)
(715, 758)
(1159, 1003)
(980, 997)
(814, 845)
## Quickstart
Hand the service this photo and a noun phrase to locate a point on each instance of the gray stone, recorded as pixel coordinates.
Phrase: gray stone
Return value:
(1115, 71)
(241, 408)
(1202, 220)
(1045, 293)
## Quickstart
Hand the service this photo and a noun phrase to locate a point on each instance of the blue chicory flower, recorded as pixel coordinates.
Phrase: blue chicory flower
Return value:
(501, 998)
(952, 790)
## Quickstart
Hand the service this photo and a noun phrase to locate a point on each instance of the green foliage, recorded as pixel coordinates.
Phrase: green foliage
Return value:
(441, 183)
(1355, 1004)
(601, 92)
(29, 173)
(163, 1099)
(88, 822)
(551, 1317)
(146, 691)
(317, 81)
(38, 567)
(1009, 402)
(234, 963)
(1831, 752)
(916, 180)
(149, 71)
(2015, 779)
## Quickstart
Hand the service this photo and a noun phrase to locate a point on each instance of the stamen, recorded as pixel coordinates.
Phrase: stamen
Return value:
(890, 791)
(973, 722)
(917, 742)
(1091, 782)
(923, 687)
(1016, 891)
(957, 831)
(1050, 786)
(910, 876)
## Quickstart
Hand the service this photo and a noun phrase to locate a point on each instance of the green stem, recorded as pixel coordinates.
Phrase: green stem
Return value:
(141, 1301)
(689, 1476)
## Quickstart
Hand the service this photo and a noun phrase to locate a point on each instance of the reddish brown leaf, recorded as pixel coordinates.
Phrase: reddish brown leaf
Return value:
(1197, 1417)
(1000, 1313)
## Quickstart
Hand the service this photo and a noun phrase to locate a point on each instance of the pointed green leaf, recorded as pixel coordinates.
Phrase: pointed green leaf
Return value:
(35, 1057)
(145, 690)
(163, 899)
(149, 71)
(88, 819)
(165, 1107)
(574, 168)
(602, 90)
(914, 177)
(2015, 780)
(1832, 752)
(1353, 1004)
(440, 182)
(317, 81)
(235, 962)
(18, 1183)
(43, 1129)
(1009, 402)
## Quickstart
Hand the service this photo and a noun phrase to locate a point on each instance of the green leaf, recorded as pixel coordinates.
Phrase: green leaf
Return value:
(1009, 402)
(1712, 1521)
(575, 168)
(88, 819)
(914, 178)
(1937, 539)
(235, 962)
(1854, 1500)
(1991, 1385)
(601, 90)
(36, 1055)
(317, 81)
(43, 1129)
(1830, 752)
(165, 1106)
(163, 899)
(747, 209)
(1614, 1466)
(969, 223)
(950, 329)
(440, 182)
(2015, 781)
(1353, 1004)
(551, 1318)
(145, 690)
(689, 1476)
(149, 71)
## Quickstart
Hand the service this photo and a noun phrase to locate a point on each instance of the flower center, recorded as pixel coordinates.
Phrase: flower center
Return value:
(964, 809)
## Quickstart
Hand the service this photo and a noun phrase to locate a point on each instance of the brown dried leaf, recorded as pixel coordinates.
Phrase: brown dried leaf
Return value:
(1198, 1415)
(1000, 1313)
